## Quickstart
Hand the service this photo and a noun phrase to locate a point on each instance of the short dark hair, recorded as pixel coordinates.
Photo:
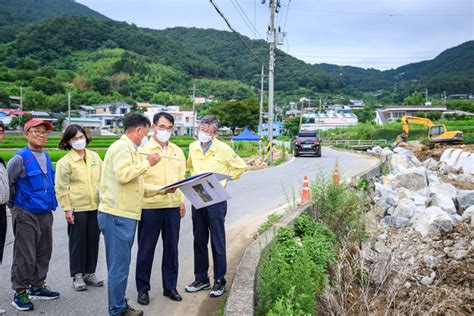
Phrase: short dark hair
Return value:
(135, 120)
(165, 115)
(69, 134)
(2, 126)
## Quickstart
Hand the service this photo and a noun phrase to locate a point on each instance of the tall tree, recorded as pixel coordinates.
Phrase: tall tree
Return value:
(234, 114)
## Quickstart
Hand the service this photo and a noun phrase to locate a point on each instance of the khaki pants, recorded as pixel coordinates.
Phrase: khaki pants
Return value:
(32, 248)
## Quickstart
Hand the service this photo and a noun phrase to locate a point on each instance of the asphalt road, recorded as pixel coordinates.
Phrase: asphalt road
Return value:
(254, 196)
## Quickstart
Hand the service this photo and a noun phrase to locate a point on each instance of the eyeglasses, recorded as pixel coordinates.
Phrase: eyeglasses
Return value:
(210, 131)
(75, 139)
(163, 127)
(39, 133)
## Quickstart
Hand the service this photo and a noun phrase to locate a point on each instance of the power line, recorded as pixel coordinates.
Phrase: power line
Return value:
(382, 14)
(251, 25)
(366, 56)
(236, 33)
(286, 15)
(369, 51)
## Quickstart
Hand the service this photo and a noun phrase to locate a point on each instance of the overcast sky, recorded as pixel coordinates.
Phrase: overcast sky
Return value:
(380, 34)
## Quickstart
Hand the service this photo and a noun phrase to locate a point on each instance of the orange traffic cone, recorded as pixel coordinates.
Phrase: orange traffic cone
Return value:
(335, 174)
(305, 193)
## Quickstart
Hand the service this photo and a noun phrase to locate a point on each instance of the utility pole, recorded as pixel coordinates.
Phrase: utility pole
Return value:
(21, 104)
(426, 94)
(319, 117)
(194, 108)
(69, 108)
(273, 38)
(271, 72)
(260, 118)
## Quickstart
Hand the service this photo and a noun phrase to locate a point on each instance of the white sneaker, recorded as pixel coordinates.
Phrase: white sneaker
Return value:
(92, 280)
(78, 282)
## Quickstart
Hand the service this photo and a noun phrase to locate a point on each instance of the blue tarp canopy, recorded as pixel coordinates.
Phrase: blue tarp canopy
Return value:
(246, 135)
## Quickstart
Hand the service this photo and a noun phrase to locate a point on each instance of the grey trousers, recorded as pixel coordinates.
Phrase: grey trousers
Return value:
(32, 248)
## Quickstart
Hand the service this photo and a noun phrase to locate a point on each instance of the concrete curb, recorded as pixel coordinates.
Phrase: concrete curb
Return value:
(367, 174)
(241, 299)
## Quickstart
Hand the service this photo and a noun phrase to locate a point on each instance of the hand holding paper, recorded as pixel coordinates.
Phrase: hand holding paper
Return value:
(202, 189)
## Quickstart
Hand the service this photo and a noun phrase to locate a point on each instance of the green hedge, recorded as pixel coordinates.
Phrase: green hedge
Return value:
(390, 131)
(294, 269)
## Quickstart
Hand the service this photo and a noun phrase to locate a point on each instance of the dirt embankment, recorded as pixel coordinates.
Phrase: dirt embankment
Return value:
(423, 152)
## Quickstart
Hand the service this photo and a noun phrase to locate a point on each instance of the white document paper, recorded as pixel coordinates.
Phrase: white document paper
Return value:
(203, 189)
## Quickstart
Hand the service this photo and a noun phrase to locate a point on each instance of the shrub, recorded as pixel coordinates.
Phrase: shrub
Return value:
(339, 208)
(293, 269)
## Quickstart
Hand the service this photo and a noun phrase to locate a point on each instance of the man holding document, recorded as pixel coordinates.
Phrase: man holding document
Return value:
(161, 213)
(208, 154)
(121, 193)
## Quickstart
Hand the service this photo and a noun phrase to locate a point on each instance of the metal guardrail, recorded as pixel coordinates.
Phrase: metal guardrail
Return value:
(355, 142)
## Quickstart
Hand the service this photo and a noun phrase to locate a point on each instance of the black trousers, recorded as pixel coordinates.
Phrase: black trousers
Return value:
(154, 221)
(3, 229)
(84, 237)
(209, 221)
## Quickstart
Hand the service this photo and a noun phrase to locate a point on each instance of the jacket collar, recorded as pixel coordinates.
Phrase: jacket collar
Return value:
(75, 156)
(129, 142)
(212, 149)
(152, 144)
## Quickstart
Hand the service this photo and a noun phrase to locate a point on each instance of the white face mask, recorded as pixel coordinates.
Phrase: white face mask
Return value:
(163, 135)
(144, 141)
(79, 144)
(204, 137)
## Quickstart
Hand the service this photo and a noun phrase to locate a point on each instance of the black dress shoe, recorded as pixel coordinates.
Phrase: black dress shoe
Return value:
(143, 298)
(173, 295)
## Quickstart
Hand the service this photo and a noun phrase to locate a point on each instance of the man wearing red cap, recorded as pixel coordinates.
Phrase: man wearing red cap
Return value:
(32, 200)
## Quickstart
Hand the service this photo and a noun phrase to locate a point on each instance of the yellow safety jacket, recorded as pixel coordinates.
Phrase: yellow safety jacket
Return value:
(77, 181)
(170, 169)
(121, 185)
(219, 158)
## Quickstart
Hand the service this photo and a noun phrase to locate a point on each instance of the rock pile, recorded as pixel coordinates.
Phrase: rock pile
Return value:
(259, 162)
(421, 275)
(413, 194)
(422, 255)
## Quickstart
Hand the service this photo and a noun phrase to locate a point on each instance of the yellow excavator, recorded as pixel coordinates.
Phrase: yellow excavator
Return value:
(437, 133)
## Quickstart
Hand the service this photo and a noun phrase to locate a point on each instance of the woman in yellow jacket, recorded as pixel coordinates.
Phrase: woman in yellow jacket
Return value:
(77, 184)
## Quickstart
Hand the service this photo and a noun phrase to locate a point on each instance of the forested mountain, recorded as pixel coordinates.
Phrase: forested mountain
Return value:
(227, 51)
(43, 42)
(14, 14)
(57, 46)
(452, 71)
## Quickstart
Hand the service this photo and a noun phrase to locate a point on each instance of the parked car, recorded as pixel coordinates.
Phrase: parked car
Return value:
(307, 142)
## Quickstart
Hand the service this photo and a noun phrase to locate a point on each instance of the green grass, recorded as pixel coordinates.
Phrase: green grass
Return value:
(294, 269)
(100, 144)
(390, 131)
(271, 220)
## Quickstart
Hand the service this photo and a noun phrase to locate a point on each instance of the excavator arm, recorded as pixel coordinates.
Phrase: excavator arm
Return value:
(406, 120)
(437, 132)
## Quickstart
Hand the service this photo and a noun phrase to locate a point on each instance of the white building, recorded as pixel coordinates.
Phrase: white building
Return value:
(339, 118)
(356, 104)
(111, 114)
(92, 124)
(394, 112)
(183, 120)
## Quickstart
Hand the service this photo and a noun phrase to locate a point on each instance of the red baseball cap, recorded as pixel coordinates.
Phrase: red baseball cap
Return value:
(37, 122)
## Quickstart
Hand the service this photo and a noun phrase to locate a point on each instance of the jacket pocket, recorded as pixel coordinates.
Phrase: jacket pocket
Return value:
(36, 178)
